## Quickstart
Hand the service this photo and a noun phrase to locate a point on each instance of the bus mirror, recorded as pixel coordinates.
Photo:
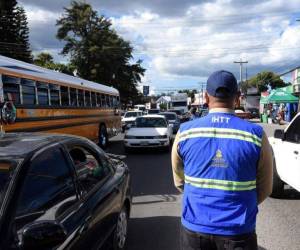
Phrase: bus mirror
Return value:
(8, 113)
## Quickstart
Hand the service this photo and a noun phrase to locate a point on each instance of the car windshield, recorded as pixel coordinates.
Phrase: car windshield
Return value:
(170, 117)
(5, 178)
(131, 114)
(150, 122)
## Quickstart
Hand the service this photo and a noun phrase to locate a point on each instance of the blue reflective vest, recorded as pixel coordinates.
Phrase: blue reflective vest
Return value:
(220, 153)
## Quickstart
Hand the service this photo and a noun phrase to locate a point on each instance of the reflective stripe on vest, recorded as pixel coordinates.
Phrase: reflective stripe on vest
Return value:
(220, 184)
(220, 133)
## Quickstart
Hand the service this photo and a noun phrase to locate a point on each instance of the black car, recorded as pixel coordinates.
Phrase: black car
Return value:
(172, 119)
(152, 111)
(61, 192)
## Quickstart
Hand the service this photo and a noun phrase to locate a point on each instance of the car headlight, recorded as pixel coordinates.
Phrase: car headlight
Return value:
(129, 137)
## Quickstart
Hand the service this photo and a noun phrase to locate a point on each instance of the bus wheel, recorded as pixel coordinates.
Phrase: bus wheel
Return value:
(103, 137)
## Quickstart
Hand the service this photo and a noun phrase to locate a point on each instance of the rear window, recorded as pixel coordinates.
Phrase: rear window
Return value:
(170, 117)
(6, 172)
(151, 122)
(132, 114)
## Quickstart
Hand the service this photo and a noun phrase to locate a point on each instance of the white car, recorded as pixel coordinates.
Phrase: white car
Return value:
(129, 118)
(286, 151)
(149, 131)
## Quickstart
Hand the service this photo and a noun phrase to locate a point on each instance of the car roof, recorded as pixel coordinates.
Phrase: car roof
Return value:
(154, 116)
(21, 144)
(167, 113)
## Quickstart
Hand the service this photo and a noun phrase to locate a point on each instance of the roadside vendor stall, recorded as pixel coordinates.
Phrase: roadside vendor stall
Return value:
(281, 96)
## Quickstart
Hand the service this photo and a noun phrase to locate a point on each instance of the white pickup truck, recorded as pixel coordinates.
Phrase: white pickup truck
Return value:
(286, 151)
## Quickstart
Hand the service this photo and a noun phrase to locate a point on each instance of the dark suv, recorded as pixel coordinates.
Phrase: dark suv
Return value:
(63, 192)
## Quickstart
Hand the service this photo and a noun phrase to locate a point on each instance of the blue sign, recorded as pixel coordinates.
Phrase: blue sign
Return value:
(145, 90)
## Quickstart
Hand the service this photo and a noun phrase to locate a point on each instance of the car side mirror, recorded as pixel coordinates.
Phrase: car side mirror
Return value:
(279, 134)
(43, 235)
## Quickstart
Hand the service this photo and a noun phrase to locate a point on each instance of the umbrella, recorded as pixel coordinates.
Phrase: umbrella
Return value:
(280, 95)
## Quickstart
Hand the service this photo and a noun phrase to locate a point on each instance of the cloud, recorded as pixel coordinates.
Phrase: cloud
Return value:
(182, 42)
(212, 35)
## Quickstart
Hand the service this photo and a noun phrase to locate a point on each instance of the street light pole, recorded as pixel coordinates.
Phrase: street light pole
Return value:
(241, 68)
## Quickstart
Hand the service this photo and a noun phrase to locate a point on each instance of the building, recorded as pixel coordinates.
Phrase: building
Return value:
(163, 100)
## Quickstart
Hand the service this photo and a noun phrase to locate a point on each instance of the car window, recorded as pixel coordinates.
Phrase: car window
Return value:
(131, 114)
(169, 116)
(6, 172)
(148, 122)
(90, 170)
(48, 182)
(293, 132)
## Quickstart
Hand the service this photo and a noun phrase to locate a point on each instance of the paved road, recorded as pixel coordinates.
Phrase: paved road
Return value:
(155, 217)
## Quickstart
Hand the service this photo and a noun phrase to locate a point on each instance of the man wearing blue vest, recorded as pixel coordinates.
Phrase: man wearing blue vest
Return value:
(223, 166)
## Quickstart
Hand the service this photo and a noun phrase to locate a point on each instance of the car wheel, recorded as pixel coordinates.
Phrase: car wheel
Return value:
(278, 184)
(120, 233)
(103, 137)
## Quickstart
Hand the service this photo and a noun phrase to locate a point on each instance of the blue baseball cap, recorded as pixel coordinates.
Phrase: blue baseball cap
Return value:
(222, 84)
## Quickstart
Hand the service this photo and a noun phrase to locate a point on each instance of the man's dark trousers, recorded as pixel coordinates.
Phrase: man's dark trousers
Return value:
(198, 241)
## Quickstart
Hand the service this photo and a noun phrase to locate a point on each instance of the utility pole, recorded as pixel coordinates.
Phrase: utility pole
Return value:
(241, 68)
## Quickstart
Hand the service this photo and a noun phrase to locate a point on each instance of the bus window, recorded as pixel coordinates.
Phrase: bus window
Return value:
(42, 93)
(87, 97)
(103, 104)
(54, 95)
(28, 91)
(94, 99)
(115, 102)
(64, 92)
(107, 104)
(11, 89)
(98, 100)
(80, 98)
(73, 97)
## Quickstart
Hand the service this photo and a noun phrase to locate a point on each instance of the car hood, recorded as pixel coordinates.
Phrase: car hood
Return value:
(129, 119)
(147, 131)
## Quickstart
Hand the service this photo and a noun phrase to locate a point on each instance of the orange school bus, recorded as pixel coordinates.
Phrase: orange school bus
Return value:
(35, 99)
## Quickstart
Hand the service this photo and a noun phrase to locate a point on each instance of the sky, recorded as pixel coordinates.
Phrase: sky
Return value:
(181, 42)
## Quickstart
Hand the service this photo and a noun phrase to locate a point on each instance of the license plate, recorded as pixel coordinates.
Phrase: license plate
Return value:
(144, 143)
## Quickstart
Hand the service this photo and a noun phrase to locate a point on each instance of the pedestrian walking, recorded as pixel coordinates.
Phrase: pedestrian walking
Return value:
(223, 166)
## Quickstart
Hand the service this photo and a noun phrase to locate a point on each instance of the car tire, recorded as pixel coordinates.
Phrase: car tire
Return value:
(120, 233)
(278, 184)
(103, 137)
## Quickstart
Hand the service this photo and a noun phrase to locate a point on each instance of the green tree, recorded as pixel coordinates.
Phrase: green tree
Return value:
(23, 35)
(190, 93)
(8, 28)
(14, 39)
(262, 80)
(45, 60)
(97, 51)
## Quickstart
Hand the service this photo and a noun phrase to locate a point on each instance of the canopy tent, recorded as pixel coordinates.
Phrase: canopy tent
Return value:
(280, 95)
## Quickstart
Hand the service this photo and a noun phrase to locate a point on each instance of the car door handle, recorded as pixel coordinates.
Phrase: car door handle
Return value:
(296, 152)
